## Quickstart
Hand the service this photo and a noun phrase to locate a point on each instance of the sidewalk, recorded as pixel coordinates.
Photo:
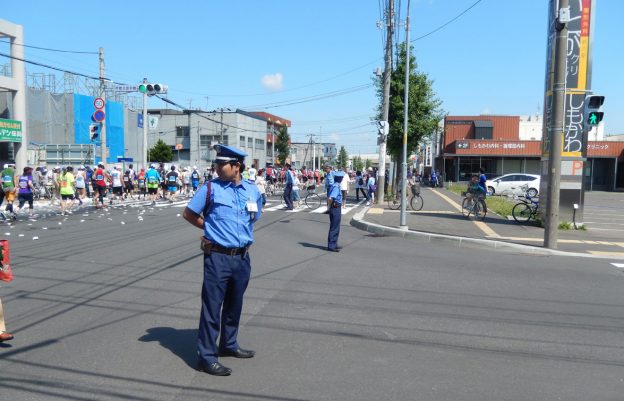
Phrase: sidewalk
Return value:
(441, 219)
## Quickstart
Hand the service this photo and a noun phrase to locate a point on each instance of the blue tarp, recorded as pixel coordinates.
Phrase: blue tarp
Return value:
(83, 112)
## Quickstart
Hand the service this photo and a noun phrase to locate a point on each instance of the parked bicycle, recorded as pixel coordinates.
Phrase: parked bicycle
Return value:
(312, 199)
(474, 204)
(415, 201)
(525, 210)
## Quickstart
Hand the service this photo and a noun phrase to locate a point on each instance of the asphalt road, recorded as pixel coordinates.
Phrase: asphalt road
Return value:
(108, 311)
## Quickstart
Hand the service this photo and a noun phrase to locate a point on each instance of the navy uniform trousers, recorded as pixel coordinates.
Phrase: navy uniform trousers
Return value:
(288, 196)
(225, 281)
(335, 215)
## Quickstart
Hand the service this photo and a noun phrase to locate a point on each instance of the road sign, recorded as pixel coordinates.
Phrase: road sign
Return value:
(139, 120)
(99, 103)
(125, 159)
(99, 116)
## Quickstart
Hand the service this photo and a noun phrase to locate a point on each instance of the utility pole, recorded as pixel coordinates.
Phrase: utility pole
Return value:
(403, 218)
(221, 140)
(385, 108)
(103, 96)
(555, 127)
(145, 126)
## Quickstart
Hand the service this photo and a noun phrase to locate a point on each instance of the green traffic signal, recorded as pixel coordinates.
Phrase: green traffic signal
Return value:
(594, 117)
(143, 88)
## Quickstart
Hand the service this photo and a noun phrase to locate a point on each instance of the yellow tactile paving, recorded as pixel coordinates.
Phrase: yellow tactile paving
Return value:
(482, 226)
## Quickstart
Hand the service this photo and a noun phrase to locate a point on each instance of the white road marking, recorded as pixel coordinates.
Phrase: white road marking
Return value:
(618, 265)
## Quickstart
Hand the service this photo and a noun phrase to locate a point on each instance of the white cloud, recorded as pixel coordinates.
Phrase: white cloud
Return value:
(273, 82)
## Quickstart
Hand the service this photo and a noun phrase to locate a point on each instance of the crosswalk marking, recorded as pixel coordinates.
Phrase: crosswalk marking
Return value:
(618, 265)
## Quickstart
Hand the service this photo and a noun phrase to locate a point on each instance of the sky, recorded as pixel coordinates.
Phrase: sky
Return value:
(313, 62)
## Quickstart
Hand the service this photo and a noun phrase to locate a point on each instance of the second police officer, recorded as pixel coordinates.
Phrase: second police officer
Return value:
(226, 209)
(334, 208)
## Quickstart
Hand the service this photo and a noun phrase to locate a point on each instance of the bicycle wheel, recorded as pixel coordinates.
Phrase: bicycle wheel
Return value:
(417, 202)
(467, 207)
(394, 202)
(313, 201)
(522, 213)
(480, 210)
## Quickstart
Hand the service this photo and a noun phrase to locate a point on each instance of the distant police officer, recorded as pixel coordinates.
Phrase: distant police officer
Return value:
(334, 207)
(226, 214)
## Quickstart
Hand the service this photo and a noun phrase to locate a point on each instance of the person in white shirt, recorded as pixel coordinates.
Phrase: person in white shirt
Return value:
(261, 184)
(344, 187)
(370, 186)
(252, 173)
(117, 184)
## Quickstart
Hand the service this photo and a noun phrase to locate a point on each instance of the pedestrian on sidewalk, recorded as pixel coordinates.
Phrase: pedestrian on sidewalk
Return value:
(359, 186)
(334, 207)
(371, 186)
(226, 210)
(4, 335)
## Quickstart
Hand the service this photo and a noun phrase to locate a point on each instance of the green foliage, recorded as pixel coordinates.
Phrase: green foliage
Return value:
(368, 163)
(424, 110)
(161, 152)
(565, 225)
(358, 164)
(282, 146)
(343, 158)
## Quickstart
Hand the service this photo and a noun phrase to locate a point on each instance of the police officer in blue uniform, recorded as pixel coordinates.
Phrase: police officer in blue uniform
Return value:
(334, 207)
(288, 188)
(227, 214)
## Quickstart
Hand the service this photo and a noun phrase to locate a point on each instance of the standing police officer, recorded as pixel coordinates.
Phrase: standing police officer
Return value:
(226, 214)
(334, 208)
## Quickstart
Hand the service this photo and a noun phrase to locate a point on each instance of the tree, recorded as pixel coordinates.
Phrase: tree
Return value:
(424, 109)
(343, 157)
(161, 152)
(358, 164)
(368, 163)
(282, 146)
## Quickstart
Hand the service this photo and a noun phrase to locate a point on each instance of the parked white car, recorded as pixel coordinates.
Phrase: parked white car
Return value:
(510, 183)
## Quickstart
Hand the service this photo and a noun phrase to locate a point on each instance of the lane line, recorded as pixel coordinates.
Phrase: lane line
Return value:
(480, 224)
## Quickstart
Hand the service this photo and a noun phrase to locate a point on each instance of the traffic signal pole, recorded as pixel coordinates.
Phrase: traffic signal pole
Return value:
(556, 130)
(385, 108)
(145, 127)
(103, 96)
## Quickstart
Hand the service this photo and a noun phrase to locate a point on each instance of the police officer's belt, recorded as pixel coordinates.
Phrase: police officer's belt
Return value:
(209, 247)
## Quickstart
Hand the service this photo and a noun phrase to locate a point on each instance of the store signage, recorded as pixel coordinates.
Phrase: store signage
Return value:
(10, 130)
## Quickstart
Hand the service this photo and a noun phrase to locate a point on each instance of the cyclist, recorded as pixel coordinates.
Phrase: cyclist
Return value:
(482, 179)
(476, 191)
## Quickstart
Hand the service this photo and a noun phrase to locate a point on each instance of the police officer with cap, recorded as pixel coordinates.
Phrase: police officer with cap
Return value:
(226, 209)
(334, 207)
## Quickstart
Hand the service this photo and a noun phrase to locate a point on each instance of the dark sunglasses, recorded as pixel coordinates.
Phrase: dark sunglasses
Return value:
(224, 162)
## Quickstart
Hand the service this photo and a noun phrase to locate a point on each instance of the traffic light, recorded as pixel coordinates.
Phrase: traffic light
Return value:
(94, 131)
(152, 89)
(382, 131)
(593, 110)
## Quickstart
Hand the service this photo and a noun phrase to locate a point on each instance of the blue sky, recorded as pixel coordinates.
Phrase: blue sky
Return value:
(254, 54)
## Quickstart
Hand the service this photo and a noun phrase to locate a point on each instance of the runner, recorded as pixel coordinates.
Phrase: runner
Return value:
(142, 186)
(117, 185)
(8, 190)
(128, 181)
(66, 184)
(81, 184)
(195, 179)
(100, 178)
(172, 183)
(153, 179)
(25, 190)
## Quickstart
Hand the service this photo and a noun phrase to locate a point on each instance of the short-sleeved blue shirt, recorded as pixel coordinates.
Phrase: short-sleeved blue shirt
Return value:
(228, 223)
(329, 181)
(335, 193)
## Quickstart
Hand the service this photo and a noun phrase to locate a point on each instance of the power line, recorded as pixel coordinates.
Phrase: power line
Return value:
(48, 49)
(49, 66)
(447, 23)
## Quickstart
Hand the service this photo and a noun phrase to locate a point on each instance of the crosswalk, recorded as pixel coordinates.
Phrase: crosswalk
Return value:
(273, 206)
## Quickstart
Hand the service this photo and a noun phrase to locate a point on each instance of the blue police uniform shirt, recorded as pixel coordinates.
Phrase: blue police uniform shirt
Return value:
(329, 180)
(228, 222)
(335, 193)
(289, 177)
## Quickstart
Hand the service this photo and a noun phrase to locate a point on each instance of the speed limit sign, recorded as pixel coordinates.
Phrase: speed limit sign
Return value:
(99, 103)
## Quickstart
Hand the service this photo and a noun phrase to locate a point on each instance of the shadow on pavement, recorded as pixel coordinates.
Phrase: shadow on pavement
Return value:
(309, 245)
(182, 343)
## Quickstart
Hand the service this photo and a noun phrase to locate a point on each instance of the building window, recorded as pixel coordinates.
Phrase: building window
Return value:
(205, 140)
(242, 141)
(259, 144)
(182, 132)
(250, 142)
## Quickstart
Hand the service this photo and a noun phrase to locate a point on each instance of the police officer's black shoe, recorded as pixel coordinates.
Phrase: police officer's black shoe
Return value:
(215, 369)
(333, 249)
(238, 353)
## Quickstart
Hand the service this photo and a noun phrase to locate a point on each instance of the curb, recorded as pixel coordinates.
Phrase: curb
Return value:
(460, 242)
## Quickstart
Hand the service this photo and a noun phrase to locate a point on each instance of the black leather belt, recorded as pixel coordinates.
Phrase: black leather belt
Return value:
(228, 251)
(336, 205)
